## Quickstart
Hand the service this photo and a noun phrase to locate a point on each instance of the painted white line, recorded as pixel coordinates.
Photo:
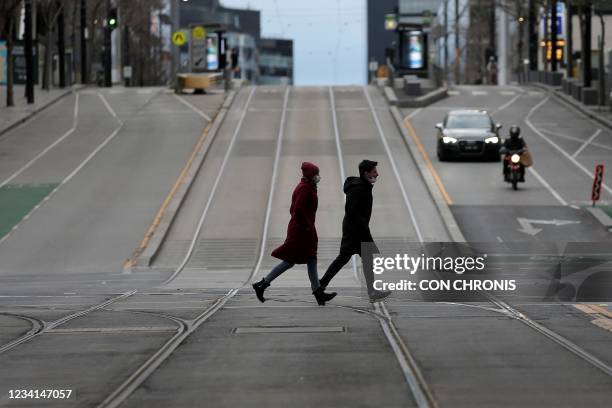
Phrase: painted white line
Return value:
(116, 91)
(475, 93)
(534, 93)
(51, 146)
(193, 108)
(500, 239)
(585, 144)
(213, 192)
(545, 184)
(75, 171)
(453, 93)
(341, 165)
(394, 166)
(575, 139)
(507, 93)
(507, 104)
(264, 235)
(556, 146)
(413, 114)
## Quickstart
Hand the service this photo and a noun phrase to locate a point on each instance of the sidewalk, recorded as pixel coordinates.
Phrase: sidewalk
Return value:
(601, 114)
(13, 116)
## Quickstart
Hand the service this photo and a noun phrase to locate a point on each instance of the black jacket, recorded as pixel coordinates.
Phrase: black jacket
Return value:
(357, 212)
(513, 144)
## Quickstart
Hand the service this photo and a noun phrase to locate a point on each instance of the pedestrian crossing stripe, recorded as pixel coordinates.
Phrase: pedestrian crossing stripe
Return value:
(479, 92)
(454, 93)
(508, 93)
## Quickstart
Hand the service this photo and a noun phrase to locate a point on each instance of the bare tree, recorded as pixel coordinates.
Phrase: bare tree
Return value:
(49, 11)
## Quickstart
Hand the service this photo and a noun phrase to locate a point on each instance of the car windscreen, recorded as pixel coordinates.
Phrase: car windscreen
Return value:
(468, 122)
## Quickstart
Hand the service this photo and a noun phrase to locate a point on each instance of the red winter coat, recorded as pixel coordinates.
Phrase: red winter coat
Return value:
(301, 242)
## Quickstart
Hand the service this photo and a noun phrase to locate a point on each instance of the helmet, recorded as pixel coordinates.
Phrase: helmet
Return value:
(515, 131)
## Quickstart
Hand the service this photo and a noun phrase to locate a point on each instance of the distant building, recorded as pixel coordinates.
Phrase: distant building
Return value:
(275, 61)
(380, 39)
(242, 27)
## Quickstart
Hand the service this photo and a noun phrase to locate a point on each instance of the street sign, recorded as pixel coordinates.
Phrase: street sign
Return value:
(179, 38)
(597, 181)
(198, 33)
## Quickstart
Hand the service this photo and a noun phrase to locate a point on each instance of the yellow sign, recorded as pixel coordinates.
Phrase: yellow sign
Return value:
(179, 38)
(198, 33)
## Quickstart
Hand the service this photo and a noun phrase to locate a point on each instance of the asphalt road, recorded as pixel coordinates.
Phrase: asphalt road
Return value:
(193, 330)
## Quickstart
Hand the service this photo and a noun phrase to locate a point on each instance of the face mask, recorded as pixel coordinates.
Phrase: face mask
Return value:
(316, 179)
(372, 180)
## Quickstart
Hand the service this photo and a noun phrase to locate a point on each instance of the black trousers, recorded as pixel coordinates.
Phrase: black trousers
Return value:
(342, 259)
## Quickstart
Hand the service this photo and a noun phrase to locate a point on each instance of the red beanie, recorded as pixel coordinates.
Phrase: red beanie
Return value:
(309, 170)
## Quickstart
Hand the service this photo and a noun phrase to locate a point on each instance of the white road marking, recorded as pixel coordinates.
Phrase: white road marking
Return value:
(394, 166)
(575, 139)
(528, 228)
(499, 239)
(585, 144)
(144, 91)
(556, 146)
(507, 93)
(535, 93)
(545, 184)
(213, 190)
(116, 91)
(510, 102)
(341, 165)
(48, 148)
(475, 93)
(76, 170)
(413, 114)
(453, 93)
(193, 108)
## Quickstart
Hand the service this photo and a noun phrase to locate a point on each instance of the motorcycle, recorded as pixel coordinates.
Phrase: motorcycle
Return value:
(515, 171)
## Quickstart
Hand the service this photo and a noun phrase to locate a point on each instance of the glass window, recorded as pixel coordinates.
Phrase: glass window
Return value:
(468, 122)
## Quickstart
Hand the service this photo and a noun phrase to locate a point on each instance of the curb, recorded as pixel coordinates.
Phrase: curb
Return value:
(41, 108)
(574, 104)
(146, 258)
(443, 208)
(419, 102)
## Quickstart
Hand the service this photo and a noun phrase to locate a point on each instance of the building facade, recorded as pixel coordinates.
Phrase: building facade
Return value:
(275, 61)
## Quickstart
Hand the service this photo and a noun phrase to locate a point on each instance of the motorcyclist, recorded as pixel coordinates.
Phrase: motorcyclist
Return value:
(513, 144)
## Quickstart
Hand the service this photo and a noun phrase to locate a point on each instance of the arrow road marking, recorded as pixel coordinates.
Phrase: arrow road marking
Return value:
(528, 228)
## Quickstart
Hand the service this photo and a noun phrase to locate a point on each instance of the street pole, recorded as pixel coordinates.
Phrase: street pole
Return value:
(446, 41)
(174, 11)
(586, 47)
(503, 48)
(29, 58)
(61, 49)
(457, 57)
(553, 36)
(533, 37)
(84, 76)
(569, 58)
(108, 80)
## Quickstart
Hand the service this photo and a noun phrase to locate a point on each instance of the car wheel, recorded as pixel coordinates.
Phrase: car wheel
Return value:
(442, 154)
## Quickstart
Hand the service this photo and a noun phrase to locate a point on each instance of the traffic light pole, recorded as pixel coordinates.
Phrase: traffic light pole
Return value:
(533, 37)
(61, 49)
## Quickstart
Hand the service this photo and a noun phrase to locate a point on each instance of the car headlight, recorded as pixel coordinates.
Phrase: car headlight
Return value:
(448, 139)
(492, 139)
(515, 158)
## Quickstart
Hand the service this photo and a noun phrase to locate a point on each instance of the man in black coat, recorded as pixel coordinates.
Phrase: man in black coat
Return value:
(356, 225)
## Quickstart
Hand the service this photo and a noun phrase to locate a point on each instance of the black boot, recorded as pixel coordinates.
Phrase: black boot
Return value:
(260, 287)
(323, 297)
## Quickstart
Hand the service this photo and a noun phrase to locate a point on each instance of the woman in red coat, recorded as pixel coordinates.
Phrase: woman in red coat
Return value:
(300, 246)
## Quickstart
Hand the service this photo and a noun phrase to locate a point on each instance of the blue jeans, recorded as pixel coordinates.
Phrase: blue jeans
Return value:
(283, 266)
